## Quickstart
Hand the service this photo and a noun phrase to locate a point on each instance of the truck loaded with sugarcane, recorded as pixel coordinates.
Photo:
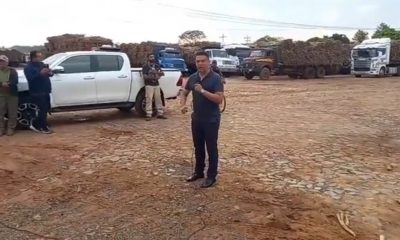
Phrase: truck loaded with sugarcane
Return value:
(298, 59)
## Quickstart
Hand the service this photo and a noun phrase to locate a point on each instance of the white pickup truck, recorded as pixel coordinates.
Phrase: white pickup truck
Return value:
(94, 80)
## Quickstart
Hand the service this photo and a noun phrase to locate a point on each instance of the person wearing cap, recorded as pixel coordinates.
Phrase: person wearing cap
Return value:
(8, 97)
(151, 74)
(215, 68)
(38, 76)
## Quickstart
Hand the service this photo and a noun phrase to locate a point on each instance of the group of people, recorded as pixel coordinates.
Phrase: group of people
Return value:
(38, 76)
(206, 86)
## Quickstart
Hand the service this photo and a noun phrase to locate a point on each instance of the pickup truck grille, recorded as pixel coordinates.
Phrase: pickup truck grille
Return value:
(362, 65)
(179, 65)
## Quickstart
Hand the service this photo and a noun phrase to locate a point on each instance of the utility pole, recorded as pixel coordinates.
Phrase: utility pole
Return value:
(247, 39)
(223, 38)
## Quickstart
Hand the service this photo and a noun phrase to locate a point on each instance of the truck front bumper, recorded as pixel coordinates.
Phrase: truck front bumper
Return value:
(370, 72)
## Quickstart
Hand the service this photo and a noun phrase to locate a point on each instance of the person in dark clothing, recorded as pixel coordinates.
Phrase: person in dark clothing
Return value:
(8, 96)
(215, 68)
(151, 74)
(208, 93)
(38, 75)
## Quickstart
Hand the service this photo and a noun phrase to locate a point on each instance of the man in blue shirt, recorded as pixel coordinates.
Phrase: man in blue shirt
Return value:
(38, 75)
(208, 93)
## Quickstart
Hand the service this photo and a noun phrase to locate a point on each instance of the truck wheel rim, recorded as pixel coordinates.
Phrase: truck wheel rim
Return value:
(27, 112)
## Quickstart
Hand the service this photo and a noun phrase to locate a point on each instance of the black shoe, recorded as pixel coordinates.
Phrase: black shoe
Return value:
(46, 131)
(194, 177)
(208, 183)
(161, 117)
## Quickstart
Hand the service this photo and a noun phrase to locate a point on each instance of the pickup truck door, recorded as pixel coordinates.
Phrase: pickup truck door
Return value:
(113, 78)
(77, 84)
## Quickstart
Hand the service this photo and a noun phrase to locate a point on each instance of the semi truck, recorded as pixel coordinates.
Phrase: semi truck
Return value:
(297, 60)
(171, 58)
(376, 57)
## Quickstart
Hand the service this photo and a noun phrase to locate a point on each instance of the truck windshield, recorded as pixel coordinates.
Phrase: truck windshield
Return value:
(365, 53)
(257, 53)
(50, 60)
(220, 53)
(239, 52)
(171, 54)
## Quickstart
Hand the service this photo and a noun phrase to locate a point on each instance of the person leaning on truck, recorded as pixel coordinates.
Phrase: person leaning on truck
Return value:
(8, 96)
(151, 74)
(38, 76)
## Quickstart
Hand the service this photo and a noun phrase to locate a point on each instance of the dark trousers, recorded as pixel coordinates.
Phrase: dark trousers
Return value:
(43, 103)
(206, 134)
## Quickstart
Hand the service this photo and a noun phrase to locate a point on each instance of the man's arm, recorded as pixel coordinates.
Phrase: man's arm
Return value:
(145, 72)
(216, 97)
(31, 73)
(13, 77)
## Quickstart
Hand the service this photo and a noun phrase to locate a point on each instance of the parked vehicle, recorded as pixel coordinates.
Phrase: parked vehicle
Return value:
(224, 62)
(171, 58)
(297, 60)
(376, 57)
(238, 53)
(94, 80)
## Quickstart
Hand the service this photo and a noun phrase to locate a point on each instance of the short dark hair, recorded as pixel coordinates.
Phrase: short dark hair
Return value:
(33, 54)
(202, 54)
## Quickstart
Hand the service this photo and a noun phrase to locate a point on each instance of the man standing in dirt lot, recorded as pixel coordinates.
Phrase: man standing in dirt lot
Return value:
(208, 93)
(151, 74)
(38, 75)
(8, 96)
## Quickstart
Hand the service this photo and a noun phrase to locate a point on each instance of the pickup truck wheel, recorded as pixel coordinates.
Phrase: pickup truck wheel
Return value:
(309, 72)
(320, 72)
(140, 104)
(27, 113)
(248, 76)
(126, 109)
(265, 73)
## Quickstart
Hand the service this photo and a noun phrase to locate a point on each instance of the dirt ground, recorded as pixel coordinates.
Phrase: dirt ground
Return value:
(293, 154)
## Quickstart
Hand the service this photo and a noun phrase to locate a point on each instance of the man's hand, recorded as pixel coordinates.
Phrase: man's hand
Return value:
(5, 84)
(198, 87)
(44, 71)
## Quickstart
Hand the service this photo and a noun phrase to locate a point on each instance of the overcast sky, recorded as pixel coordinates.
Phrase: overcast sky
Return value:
(27, 22)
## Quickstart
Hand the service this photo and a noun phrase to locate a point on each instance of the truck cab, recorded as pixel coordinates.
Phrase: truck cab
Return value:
(371, 57)
(224, 62)
(261, 62)
(237, 53)
(171, 58)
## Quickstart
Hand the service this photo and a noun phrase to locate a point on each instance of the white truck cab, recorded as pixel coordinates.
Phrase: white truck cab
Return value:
(224, 62)
(372, 57)
(94, 80)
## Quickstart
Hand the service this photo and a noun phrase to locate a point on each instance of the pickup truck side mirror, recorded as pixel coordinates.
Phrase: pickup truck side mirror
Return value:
(58, 69)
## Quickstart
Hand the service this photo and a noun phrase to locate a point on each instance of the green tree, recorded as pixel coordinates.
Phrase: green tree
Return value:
(385, 31)
(267, 40)
(340, 37)
(192, 36)
(360, 36)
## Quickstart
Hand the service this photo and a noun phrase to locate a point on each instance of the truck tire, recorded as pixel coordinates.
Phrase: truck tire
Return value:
(27, 113)
(382, 72)
(126, 109)
(309, 72)
(293, 76)
(320, 72)
(265, 73)
(248, 76)
(140, 104)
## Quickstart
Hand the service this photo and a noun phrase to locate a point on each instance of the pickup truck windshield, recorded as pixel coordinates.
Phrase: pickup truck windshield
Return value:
(50, 60)
(220, 53)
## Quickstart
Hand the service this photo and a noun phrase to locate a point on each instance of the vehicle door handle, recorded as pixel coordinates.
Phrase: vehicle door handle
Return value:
(88, 78)
(122, 76)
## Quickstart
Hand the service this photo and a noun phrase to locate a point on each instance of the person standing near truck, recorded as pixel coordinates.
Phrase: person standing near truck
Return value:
(38, 76)
(8, 96)
(151, 74)
(215, 68)
(208, 92)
